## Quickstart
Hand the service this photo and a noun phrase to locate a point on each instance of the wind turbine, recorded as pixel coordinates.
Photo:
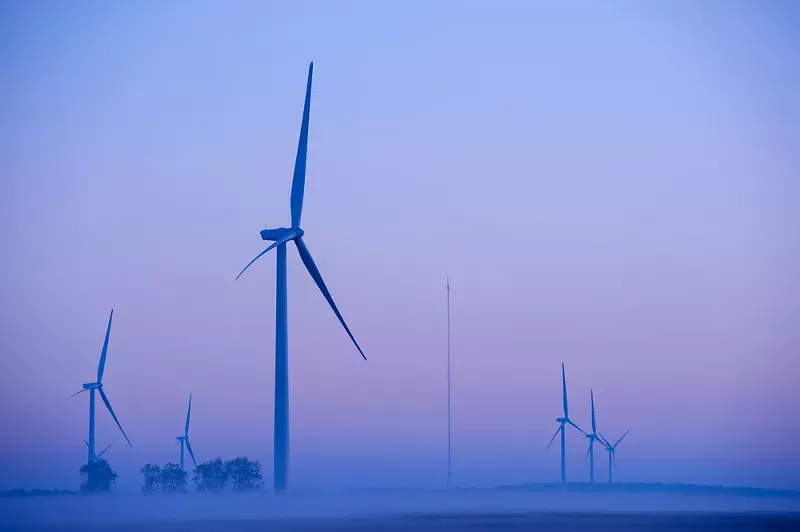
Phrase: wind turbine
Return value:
(185, 438)
(279, 238)
(563, 422)
(99, 456)
(612, 453)
(93, 387)
(592, 438)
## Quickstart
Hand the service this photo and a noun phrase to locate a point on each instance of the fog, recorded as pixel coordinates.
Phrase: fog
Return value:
(136, 509)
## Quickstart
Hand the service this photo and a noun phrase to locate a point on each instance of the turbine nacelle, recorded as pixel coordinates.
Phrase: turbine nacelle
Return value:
(273, 235)
(562, 419)
(92, 385)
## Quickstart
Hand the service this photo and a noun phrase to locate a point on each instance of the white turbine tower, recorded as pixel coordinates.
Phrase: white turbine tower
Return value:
(562, 426)
(184, 440)
(280, 237)
(93, 387)
(612, 453)
(593, 437)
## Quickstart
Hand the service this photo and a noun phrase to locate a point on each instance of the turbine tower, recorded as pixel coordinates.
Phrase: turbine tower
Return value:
(612, 453)
(279, 238)
(93, 387)
(563, 422)
(184, 440)
(592, 438)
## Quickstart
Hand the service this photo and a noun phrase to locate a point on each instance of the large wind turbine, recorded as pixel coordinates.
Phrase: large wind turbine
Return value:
(279, 238)
(184, 440)
(91, 387)
(612, 453)
(592, 438)
(563, 422)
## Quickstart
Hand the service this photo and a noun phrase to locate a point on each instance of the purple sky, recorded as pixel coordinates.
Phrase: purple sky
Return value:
(614, 186)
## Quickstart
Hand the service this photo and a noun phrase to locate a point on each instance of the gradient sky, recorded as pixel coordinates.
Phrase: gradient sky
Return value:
(611, 184)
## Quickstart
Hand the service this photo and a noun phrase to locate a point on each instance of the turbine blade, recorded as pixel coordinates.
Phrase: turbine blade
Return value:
(76, 393)
(554, 437)
(594, 425)
(111, 410)
(576, 426)
(614, 456)
(603, 440)
(102, 366)
(177, 443)
(191, 453)
(86, 442)
(299, 178)
(305, 256)
(98, 456)
(282, 240)
(587, 453)
(188, 413)
(564, 389)
(621, 438)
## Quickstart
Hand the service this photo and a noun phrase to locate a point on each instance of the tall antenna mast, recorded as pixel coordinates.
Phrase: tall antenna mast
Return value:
(449, 455)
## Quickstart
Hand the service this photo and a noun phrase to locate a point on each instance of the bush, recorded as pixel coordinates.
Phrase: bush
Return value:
(172, 478)
(244, 475)
(152, 478)
(97, 477)
(211, 475)
(241, 474)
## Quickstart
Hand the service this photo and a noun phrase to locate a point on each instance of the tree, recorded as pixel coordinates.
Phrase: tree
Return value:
(244, 474)
(211, 475)
(172, 478)
(97, 476)
(152, 478)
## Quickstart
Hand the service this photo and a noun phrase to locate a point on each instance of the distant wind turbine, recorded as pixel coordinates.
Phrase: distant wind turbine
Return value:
(279, 238)
(563, 422)
(184, 440)
(612, 453)
(91, 387)
(592, 438)
(99, 456)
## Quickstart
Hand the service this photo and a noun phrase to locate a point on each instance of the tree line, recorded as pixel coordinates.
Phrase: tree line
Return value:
(239, 475)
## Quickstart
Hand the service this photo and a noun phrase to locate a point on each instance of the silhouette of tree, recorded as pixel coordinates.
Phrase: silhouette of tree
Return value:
(244, 474)
(152, 478)
(172, 478)
(97, 477)
(211, 475)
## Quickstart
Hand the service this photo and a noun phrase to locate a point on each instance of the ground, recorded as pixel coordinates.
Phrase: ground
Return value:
(417, 511)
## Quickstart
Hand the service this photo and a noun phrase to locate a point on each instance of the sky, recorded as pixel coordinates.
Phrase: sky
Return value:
(613, 185)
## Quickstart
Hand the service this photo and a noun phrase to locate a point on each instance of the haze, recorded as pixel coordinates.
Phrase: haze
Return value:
(613, 186)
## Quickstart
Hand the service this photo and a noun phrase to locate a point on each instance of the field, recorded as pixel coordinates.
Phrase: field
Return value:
(573, 522)
(400, 511)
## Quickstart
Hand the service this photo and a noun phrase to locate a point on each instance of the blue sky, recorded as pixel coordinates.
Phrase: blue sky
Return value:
(610, 184)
